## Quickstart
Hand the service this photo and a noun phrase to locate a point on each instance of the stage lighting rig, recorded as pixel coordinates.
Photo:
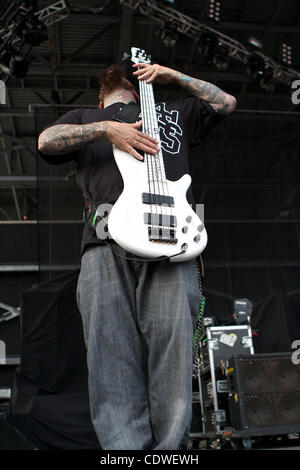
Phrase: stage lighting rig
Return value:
(255, 66)
(168, 35)
(19, 65)
(235, 51)
(207, 44)
(221, 59)
(22, 28)
(255, 43)
(214, 10)
(286, 53)
(21, 32)
(266, 81)
(262, 71)
(214, 50)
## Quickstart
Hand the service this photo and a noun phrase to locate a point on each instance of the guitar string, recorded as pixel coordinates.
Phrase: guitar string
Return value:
(156, 158)
(149, 109)
(169, 210)
(144, 120)
(160, 159)
(159, 176)
(151, 177)
(155, 179)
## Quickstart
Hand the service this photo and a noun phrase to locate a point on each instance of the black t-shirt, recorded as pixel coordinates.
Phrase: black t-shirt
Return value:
(182, 124)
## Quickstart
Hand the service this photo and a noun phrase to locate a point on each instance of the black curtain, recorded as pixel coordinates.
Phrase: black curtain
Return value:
(50, 397)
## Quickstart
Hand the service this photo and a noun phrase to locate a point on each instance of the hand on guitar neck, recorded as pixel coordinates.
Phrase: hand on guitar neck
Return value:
(127, 137)
(64, 138)
(222, 102)
(154, 72)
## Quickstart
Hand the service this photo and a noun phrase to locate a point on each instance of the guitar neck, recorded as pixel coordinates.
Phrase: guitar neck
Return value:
(150, 127)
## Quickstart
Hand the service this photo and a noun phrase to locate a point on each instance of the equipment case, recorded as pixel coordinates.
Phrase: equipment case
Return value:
(218, 345)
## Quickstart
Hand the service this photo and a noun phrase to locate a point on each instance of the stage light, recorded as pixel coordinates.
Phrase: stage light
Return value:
(35, 36)
(19, 66)
(221, 58)
(169, 38)
(214, 50)
(214, 10)
(207, 45)
(255, 66)
(168, 34)
(255, 43)
(266, 80)
(286, 53)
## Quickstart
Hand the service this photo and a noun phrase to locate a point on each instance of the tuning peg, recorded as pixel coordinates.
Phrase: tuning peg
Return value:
(126, 56)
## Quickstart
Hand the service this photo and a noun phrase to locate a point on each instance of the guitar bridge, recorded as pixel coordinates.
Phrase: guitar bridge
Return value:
(162, 235)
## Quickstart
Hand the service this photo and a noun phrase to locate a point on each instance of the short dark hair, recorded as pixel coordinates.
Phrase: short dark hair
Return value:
(111, 78)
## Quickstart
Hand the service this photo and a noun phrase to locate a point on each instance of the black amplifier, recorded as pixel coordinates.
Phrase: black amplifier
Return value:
(264, 394)
(218, 345)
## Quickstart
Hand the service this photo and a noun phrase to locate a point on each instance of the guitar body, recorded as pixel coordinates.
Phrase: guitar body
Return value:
(152, 217)
(128, 225)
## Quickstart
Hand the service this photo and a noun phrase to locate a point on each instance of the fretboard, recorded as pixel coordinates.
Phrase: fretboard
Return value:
(155, 163)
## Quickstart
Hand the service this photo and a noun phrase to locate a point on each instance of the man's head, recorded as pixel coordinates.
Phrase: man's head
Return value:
(115, 87)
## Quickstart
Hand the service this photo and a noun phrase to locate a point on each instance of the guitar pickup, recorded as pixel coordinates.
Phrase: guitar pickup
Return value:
(158, 199)
(161, 220)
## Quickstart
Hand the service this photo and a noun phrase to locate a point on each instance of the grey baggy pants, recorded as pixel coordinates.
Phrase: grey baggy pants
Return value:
(138, 321)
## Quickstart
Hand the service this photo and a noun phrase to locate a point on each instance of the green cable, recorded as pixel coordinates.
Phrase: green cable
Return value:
(94, 218)
(201, 310)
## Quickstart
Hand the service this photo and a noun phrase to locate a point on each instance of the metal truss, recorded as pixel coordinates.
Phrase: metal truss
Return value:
(53, 13)
(191, 28)
(10, 313)
(48, 16)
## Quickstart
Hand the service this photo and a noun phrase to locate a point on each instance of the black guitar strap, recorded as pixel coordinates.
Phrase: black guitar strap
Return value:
(129, 113)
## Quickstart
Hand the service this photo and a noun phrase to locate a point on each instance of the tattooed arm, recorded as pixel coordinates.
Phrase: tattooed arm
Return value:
(66, 138)
(222, 102)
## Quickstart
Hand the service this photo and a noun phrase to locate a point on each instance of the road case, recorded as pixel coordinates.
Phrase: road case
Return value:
(218, 345)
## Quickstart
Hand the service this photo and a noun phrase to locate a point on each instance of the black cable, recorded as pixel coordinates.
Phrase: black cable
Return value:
(161, 258)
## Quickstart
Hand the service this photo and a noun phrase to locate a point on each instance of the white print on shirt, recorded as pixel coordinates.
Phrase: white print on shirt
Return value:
(169, 129)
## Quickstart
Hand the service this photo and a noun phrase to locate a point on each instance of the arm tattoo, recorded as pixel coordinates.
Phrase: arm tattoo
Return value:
(65, 138)
(222, 102)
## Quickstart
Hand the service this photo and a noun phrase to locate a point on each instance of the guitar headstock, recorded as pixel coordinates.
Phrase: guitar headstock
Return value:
(139, 56)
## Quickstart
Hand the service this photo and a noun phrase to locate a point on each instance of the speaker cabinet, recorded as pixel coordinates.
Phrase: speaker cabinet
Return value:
(264, 393)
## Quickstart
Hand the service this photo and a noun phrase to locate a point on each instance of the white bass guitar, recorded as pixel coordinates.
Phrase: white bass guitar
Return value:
(152, 217)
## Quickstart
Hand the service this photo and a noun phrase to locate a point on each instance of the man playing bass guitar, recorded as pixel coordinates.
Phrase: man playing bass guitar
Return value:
(138, 316)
